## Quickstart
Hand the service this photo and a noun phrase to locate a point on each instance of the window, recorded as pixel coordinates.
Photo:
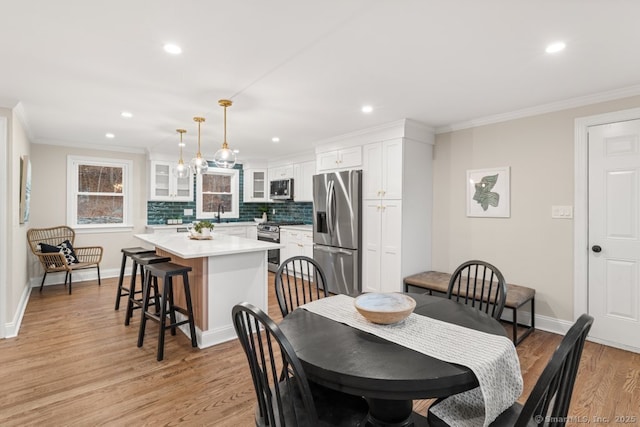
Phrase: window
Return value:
(218, 188)
(99, 193)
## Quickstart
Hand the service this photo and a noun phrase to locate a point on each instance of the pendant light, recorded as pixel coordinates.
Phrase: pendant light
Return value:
(182, 170)
(224, 157)
(198, 164)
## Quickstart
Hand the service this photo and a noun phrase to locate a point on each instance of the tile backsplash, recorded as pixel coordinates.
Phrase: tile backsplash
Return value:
(160, 212)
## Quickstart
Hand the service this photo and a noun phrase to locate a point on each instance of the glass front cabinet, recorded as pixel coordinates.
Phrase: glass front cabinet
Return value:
(255, 185)
(165, 186)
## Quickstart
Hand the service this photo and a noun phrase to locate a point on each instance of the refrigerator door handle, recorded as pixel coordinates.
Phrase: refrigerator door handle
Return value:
(331, 206)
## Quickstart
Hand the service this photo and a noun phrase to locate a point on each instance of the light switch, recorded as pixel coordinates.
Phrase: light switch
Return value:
(562, 212)
(188, 212)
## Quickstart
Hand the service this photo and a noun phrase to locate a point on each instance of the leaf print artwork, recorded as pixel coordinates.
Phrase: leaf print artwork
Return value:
(483, 195)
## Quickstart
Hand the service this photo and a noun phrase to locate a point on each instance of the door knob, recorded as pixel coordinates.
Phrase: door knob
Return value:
(596, 248)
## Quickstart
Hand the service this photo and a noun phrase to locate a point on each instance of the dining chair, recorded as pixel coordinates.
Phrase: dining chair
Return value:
(481, 285)
(299, 280)
(54, 248)
(285, 396)
(548, 403)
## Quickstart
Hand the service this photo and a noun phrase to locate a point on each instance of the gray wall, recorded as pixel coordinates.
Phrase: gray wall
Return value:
(530, 248)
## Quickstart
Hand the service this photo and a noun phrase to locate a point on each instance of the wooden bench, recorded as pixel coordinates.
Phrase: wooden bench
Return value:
(517, 296)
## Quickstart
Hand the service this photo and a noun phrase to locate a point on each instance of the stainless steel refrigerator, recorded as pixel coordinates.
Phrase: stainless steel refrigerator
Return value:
(337, 229)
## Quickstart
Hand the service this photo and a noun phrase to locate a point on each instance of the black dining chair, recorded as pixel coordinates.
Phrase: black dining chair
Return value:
(481, 285)
(285, 396)
(299, 280)
(548, 403)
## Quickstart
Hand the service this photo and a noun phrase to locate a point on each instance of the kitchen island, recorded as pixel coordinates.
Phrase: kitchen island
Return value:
(225, 271)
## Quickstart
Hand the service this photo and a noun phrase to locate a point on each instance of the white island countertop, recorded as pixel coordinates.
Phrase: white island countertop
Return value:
(181, 245)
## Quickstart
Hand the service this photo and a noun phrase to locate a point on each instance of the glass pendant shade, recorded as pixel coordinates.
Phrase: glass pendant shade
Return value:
(224, 157)
(198, 164)
(181, 171)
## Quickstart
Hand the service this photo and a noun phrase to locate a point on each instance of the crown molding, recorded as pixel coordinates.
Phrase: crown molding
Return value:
(580, 101)
(403, 128)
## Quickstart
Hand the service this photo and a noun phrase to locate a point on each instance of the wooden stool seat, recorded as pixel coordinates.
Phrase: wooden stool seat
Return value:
(126, 253)
(166, 271)
(135, 301)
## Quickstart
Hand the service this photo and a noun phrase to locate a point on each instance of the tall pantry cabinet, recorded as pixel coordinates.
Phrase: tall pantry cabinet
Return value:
(396, 207)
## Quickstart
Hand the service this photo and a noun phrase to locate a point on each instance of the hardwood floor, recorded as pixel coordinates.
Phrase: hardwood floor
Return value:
(75, 363)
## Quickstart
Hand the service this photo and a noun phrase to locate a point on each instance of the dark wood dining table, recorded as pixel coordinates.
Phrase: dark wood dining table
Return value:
(388, 375)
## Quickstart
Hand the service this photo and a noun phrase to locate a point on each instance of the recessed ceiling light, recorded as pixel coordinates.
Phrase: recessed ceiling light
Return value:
(367, 108)
(275, 139)
(126, 114)
(555, 47)
(173, 49)
(109, 135)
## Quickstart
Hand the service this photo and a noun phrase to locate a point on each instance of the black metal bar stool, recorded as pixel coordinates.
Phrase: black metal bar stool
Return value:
(136, 296)
(126, 253)
(166, 271)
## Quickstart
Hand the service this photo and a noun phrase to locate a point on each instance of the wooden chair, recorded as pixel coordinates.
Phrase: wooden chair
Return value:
(299, 280)
(548, 403)
(285, 396)
(54, 262)
(481, 285)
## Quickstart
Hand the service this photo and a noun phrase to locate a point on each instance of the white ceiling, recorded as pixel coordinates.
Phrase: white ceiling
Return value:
(300, 69)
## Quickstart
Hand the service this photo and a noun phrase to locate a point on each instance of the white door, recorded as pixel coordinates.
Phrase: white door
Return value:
(614, 232)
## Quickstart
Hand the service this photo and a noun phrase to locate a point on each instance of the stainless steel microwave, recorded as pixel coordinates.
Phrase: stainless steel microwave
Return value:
(281, 189)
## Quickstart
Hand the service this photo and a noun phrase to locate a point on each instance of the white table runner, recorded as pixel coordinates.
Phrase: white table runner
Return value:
(492, 358)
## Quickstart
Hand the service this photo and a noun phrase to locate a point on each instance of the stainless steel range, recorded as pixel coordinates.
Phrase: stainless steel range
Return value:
(270, 232)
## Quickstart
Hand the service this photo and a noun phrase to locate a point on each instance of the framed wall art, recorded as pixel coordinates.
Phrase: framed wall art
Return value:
(25, 188)
(488, 193)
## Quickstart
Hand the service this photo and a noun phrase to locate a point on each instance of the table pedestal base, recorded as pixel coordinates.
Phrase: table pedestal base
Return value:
(393, 413)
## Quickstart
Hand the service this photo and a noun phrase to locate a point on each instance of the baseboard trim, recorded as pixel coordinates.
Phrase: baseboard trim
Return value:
(78, 276)
(12, 328)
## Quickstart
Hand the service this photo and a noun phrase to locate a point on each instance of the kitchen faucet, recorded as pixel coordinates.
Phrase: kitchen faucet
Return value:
(220, 212)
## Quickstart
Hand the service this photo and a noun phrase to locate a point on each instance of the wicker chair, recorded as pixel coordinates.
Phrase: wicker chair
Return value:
(54, 262)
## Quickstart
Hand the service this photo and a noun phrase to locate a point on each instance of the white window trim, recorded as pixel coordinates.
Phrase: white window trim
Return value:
(235, 191)
(72, 190)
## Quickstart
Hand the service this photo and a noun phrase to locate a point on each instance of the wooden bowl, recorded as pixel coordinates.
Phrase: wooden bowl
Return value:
(385, 307)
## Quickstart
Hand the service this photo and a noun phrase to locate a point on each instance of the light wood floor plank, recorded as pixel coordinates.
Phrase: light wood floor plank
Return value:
(75, 363)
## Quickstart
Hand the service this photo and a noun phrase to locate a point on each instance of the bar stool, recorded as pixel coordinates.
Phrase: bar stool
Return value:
(126, 253)
(166, 271)
(134, 302)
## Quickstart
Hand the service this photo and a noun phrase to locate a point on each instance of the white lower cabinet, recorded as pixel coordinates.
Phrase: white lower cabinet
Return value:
(381, 242)
(296, 243)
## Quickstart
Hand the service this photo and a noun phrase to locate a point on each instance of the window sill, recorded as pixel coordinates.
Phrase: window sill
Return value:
(82, 229)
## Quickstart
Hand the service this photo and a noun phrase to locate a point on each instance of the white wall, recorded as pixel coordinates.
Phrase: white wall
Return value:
(48, 204)
(14, 289)
(530, 248)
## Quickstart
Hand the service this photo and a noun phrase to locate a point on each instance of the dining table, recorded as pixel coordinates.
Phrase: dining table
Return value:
(388, 375)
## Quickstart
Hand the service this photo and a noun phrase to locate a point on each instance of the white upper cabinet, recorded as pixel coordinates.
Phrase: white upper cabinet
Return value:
(345, 158)
(281, 172)
(303, 181)
(165, 186)
(383, 170)
(256, 185)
